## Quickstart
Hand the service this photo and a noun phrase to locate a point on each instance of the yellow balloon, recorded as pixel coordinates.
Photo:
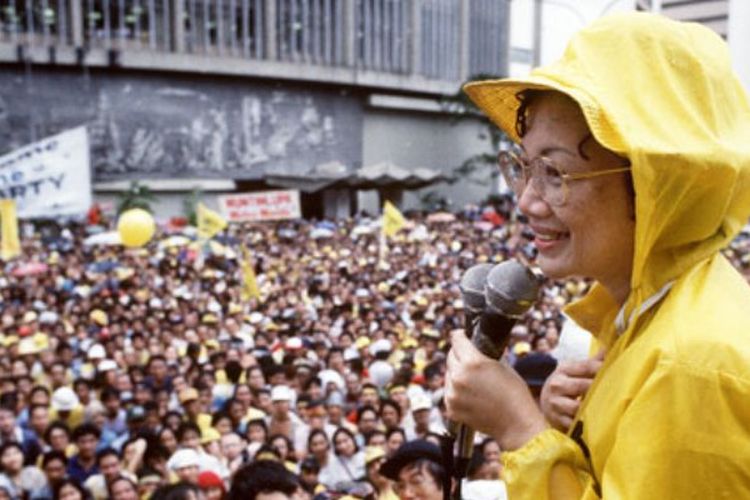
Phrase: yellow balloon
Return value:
(136, 227)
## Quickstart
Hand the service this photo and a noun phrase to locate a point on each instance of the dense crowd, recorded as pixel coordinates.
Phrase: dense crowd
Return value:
(124, 370)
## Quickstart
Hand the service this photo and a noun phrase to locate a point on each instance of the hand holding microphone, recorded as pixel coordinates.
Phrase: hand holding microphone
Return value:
(480, 392)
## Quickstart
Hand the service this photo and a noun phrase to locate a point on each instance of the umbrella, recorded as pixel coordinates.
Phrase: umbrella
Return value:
(175, 241)
(215, 248)
(320, 233)
(104, 266)
(30, 269)
(441, 217)
(108, 238)
(483, 225)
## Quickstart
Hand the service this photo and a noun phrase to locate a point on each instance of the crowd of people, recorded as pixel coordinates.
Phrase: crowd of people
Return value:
(125, 371)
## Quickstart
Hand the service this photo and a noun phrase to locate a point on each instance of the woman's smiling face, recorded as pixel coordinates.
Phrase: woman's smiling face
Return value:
(592, 234)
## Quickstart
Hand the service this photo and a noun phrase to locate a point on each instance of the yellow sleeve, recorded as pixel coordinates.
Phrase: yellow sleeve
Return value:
(551, 465)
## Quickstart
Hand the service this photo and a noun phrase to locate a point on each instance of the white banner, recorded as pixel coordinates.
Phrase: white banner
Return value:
(49, 178)
(266, 205)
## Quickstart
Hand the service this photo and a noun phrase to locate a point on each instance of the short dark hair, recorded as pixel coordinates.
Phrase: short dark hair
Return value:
(109, 393)
(55, 425)
(75, 484)
(389, 402)
(264, 476)
(178, 491)
(434, 469)
(53, 455)
(187, 427)
(105, 453)
(86, 430)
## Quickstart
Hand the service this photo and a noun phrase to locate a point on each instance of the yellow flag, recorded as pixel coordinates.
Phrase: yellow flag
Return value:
(209, 222)
(249, 283)
(393, 220)
(10, 246)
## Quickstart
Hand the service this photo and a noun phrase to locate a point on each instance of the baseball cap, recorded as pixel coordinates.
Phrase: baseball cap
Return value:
(64, 399)
(281, 393)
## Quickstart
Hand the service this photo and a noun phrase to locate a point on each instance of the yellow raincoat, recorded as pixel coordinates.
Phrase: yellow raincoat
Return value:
(668, 415)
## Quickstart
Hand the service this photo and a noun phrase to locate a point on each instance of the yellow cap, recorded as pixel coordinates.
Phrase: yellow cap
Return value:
(99, 317)
(209, 435)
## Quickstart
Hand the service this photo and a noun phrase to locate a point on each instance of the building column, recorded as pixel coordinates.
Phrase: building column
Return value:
(178, 25)
(350, 34)
(416, 37)
(269, 32)
(464, 35)
(75, 10)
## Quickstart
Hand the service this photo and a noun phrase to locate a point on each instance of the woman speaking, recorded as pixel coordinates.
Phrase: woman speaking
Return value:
(632, 165)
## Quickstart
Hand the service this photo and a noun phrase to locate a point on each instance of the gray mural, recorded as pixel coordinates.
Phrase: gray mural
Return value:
(144, 125)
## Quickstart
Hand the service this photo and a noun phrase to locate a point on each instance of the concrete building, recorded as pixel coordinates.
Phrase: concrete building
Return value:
(218, 94)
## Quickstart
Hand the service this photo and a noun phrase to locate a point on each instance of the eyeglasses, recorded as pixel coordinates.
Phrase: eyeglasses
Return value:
(551, 183)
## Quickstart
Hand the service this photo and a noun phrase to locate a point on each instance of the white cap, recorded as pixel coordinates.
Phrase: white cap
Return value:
(281, 393)
(293, 343)
(329, 376)
(351, 353)
(180, 459)
(382, 345)
(106, 365)
(64, 399)
(97, 352)
(421, 402)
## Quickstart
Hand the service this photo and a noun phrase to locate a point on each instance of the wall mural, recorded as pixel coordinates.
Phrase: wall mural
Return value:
(157, 126)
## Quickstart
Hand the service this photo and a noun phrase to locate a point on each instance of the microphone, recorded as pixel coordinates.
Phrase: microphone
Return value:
(509, 291)
(472, 294)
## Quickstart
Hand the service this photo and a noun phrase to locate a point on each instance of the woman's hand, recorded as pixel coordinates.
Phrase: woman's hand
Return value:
(490, 396)
(562, 393)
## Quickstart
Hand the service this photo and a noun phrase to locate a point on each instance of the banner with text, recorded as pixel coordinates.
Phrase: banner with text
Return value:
(49, 178)
(266, 205)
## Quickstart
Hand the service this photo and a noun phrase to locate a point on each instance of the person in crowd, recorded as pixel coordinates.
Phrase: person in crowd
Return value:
(19, 480)
(374, 458)
(178, 491)
(70, 489)
(122, 488)
(83, 465)
(54, 464)
(10, 431)
(416, 470)
(266, 480)
(110, 468)
(212, 485)
(638, 191)
(348, 461)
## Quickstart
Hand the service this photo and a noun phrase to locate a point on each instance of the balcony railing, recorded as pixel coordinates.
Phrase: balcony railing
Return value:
(421, 40)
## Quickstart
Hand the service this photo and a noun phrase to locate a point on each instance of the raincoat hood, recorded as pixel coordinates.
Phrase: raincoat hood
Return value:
(679, 115)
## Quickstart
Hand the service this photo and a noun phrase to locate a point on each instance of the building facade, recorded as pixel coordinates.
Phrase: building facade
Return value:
(216, 94)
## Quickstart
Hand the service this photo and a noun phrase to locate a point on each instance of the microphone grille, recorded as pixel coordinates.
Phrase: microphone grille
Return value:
(472, 286)
(511, 288)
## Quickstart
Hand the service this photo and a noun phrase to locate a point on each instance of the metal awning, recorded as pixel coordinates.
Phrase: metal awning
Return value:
(378, 176)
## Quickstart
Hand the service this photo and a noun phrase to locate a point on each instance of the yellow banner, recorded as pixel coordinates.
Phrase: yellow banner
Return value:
(10, 246)
(393, 220)
(209, 222)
